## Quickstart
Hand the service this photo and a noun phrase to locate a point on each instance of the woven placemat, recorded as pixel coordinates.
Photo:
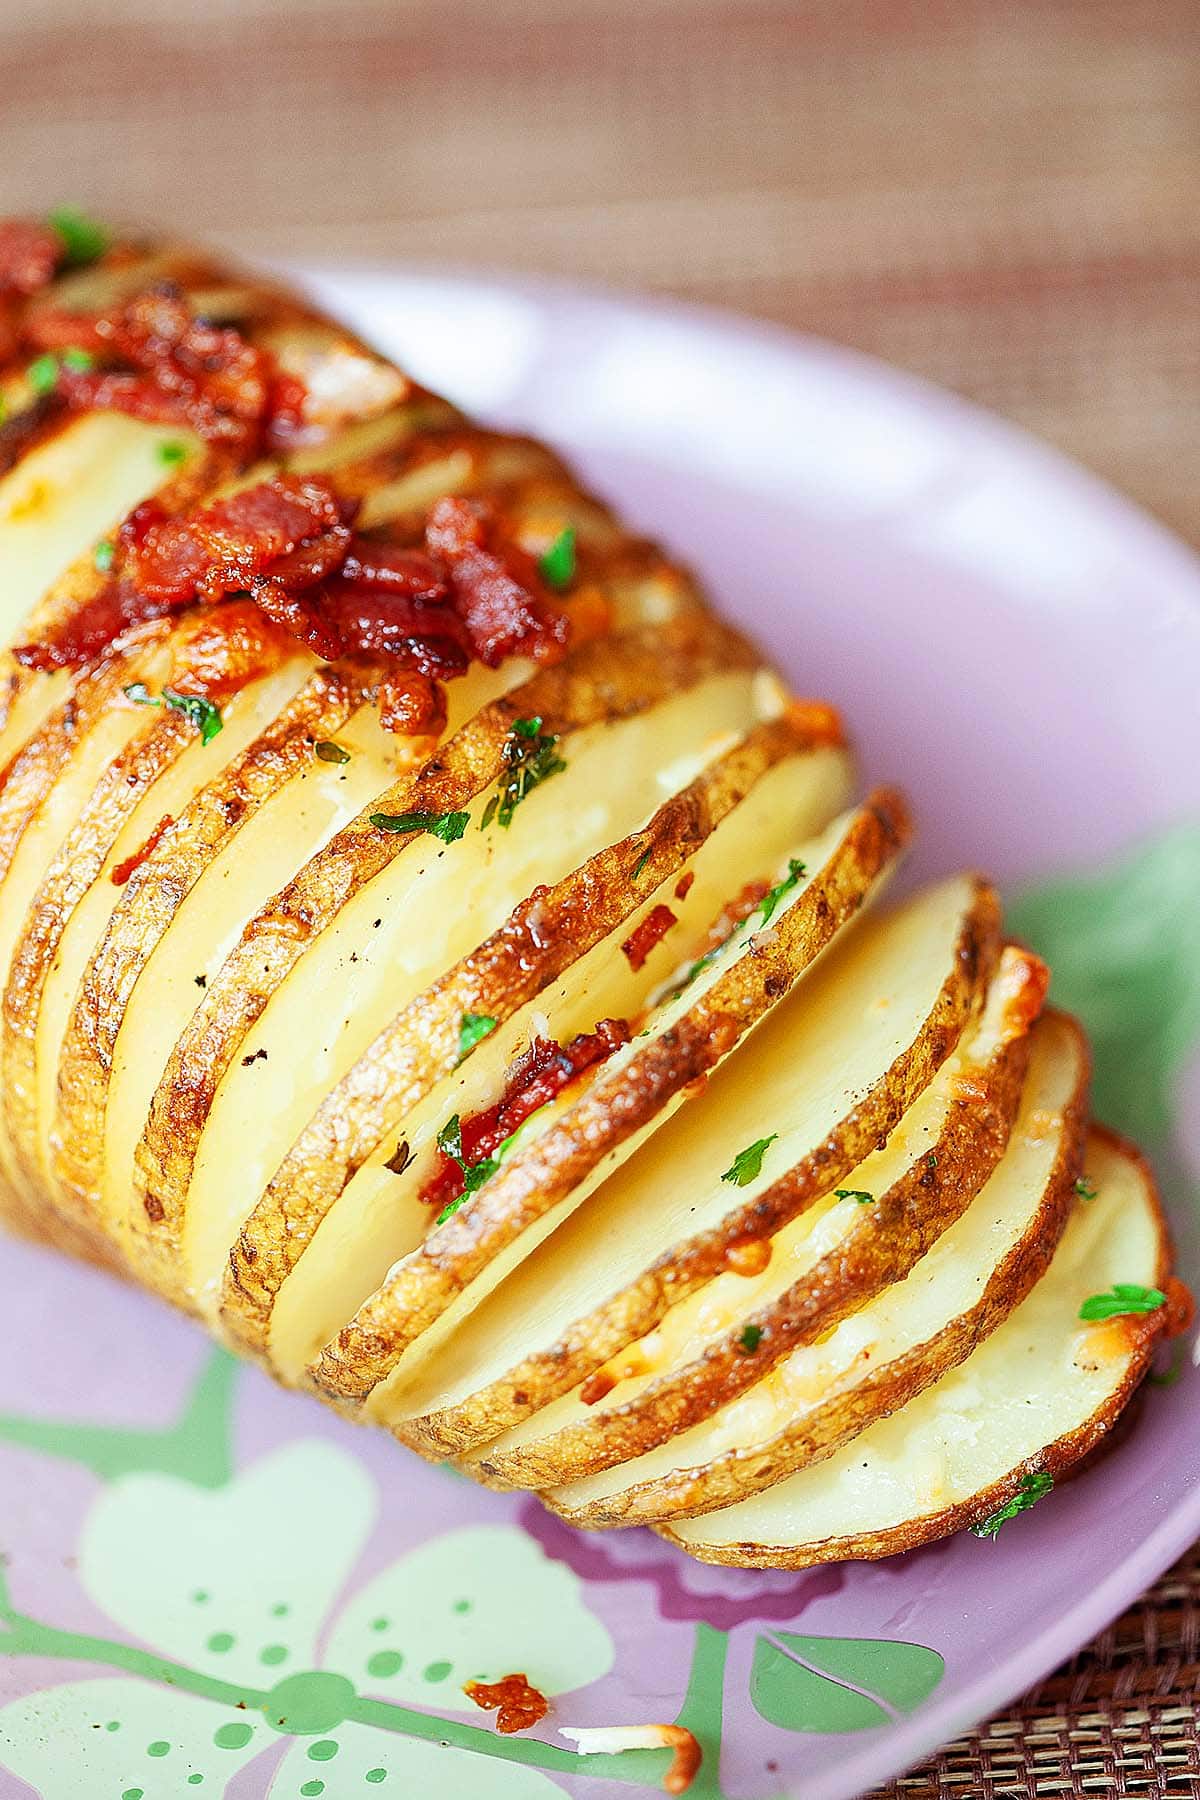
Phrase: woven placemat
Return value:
(1000, 194)
(1120, 1719)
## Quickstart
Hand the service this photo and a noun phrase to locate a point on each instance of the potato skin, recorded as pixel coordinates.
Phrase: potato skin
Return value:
(1143, 1335)
(422, 1043)
(735, 1476)
(606, 1115)
(887, 1241)
(80, 769)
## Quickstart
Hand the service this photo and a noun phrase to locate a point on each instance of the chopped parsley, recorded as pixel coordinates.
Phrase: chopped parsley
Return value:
(103, 555)
(203, 714)
(83, 240)
(449, 1142)
(529, 758)
(1030, 1490)
(171, 453)
(750, 1339)
(859, 1194)
(325, 750)
(1084, 1189)
(78, 359)
(641, 862)
(449, 826)
(557, 564)
(1122, 1298)
(472, 1029)
(747, 1164)
(42, 374)
(770, 900)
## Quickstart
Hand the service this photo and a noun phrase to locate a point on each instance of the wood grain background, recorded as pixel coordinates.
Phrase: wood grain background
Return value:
(1002, 194)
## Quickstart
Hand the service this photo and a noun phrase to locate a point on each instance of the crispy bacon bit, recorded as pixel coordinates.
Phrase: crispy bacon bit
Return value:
(747, 1255)
(516, 1703)
(412, 704)
(1180, 1307)
(30, 253)
(163, 364)
(733, 913)
(596, 1387)
(287, 530)
(123, 870)
(538, 1075)
(683, 886)
(610, 1740)
(643, 938)
(496, 588)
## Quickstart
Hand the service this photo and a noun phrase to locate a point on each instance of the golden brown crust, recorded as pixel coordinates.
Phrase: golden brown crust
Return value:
(737, 1475)
(602, 681)
(1143, 1333)
(421, 1044)
(683, 1268)
(151, 900)
(607, 1114)
(884, 1244)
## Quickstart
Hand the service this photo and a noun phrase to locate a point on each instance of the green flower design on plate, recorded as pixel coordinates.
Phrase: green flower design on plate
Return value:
(233, 1585)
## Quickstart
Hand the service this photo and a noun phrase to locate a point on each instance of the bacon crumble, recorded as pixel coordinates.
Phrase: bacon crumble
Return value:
(539, 1074)
(647, 935)
(516, 1702)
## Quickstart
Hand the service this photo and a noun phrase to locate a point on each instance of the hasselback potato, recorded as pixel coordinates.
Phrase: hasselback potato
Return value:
(441, 955)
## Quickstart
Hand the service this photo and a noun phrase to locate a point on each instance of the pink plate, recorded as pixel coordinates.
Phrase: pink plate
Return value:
(215, 1587)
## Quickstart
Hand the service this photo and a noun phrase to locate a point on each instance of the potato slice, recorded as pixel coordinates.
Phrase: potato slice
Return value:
(1034, 1397)
(910, 983)
(558, 955)
(843, 1249)
(897, 1342)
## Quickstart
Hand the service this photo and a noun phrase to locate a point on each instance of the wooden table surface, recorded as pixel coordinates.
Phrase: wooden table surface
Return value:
(1001, 194)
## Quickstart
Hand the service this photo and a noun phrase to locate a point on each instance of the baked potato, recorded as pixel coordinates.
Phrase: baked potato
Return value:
(443, 957)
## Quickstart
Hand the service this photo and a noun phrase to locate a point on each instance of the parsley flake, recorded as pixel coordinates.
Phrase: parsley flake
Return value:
(1030, 1490)
(527, 727)
(203, 714)
(78, 359)
(171, 453)
(83, 240)
(1122, 1299)
(103, 555)
(449, 1139)
(449, 826)
(1084, 1189)
(529, 759)
(42, 374)
(325, 750)
(641, 862)
(750, 1339)
(770, 900)
(472, 1029)
(557, 564)
(859, 1194)
(747, 1164)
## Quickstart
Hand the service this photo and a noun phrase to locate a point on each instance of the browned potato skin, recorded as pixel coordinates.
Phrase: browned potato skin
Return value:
(683, 1268)
(422, 1043)
(886, 1243)
(608, 1112)
(605, 680)
(735, 1476)
(150, 901)
(1144, 1331)
(79, 862)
